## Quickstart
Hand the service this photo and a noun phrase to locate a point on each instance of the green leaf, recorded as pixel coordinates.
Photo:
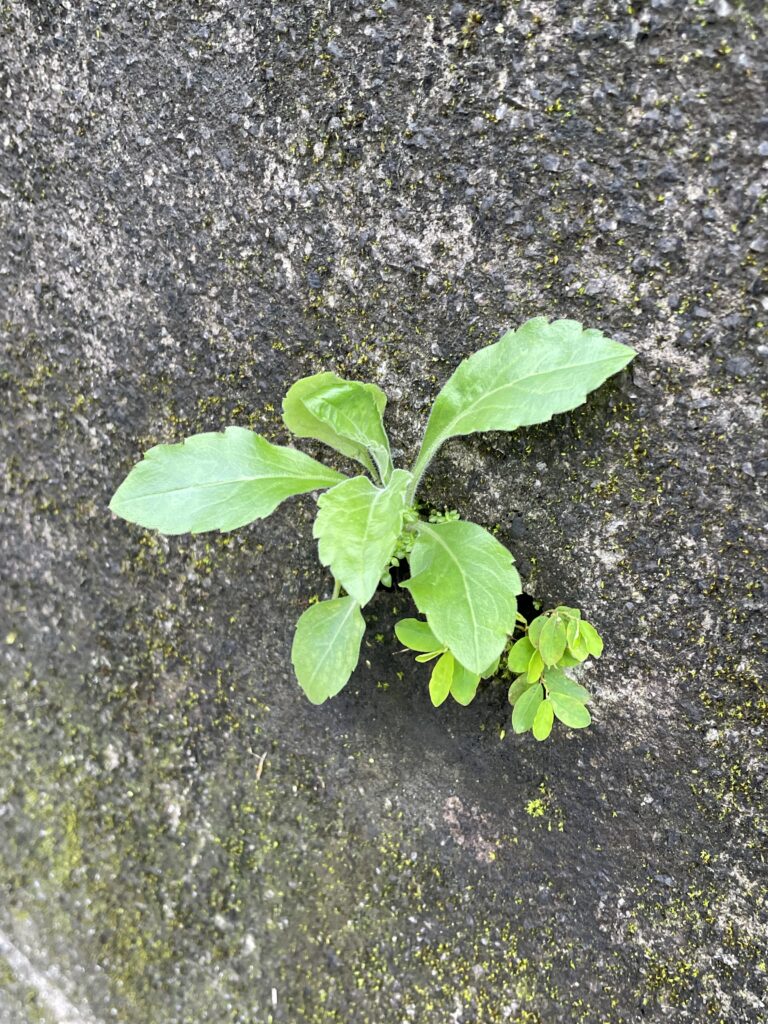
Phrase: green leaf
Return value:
(357, 527)
(542, 723)
(591, 638)
(326, 646)
(535, 667)
(558, 682)
(417, 635)
(517, 689)
(570, 711)
(568, 661)
(464, 684)
(430, 655)
(465, 583)
(579, 648)
(572, 631)
(527, 377)
(491, 670)
(441, 679)
(552, 639)
(526, 707)
(344, 414)
(569, 613)
(535, 628)
(520, 655)
(215, 482)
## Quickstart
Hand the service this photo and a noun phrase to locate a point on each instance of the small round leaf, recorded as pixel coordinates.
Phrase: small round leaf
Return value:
(570, 711)
(463, 684)
(579, 648)
(591, 638)
(441, 679)
(572, 631)
(517, 689)
(526, 708)
(542, 723)
(535, 667)
(558, 682)
(417, 635)
(535, 628)
(569, 613)
(520, 655)
(552, 640)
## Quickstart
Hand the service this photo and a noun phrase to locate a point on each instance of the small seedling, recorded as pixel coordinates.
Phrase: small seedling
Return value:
(542, 691)
(463, 579)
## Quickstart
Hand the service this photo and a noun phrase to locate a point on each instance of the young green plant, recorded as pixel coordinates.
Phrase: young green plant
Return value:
(463, 580)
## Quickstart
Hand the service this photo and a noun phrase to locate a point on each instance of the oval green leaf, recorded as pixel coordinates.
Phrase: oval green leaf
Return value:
(568, 661)
(570, 711)
(416, 635)
(535, 667)
(441, 679)
(558, 682)
(579, 648)
(591, 638)
(572, 631)
(464, 684)
(552, 640)
(517, 689)
(569, 613)
(535, 628)
(465, 583)
(526, 707)
(326, 646)
(520, 655)
(542, 723)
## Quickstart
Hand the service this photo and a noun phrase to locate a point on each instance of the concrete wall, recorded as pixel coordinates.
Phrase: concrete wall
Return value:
(201, 202)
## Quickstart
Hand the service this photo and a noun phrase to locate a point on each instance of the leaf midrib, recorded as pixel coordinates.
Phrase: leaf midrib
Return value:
(219, 483)
(380, 495)
(423, 528)
(321, 661)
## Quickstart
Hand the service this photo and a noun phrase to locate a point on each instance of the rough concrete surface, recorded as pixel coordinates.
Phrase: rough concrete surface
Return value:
(202, 200)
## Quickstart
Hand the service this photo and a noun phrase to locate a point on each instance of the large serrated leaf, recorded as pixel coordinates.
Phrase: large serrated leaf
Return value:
(357, 527)
(326, 646)
(345, 414)
(527, 377)
(215, 481)
(464, 581)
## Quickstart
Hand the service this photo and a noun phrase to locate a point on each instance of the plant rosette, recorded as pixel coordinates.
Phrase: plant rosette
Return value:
(462, 579)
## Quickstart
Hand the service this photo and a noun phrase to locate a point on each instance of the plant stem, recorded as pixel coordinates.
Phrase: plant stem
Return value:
(336, 589)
